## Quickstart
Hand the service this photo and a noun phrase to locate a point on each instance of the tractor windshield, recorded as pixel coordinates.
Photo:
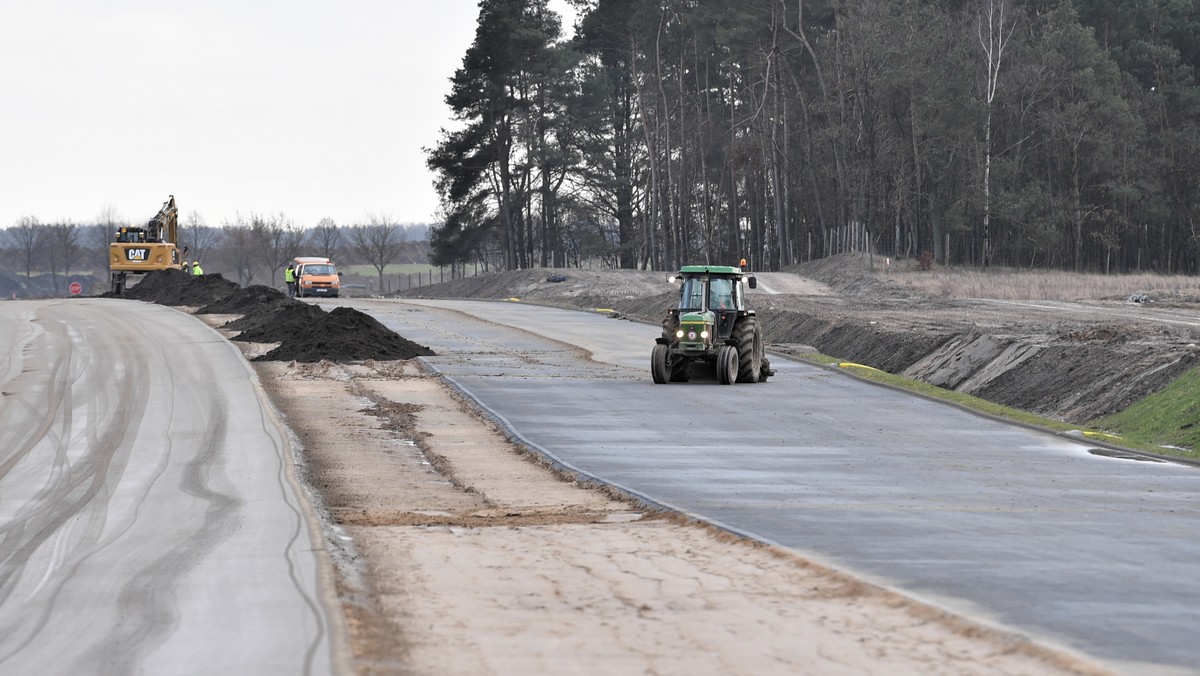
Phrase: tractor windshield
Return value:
(691, 296)
(720, 294)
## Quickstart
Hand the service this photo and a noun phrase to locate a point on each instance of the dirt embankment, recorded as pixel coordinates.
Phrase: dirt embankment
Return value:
(1074, 361)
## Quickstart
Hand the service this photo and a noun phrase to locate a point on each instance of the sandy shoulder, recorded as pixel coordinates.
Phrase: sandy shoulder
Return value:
(462, 555)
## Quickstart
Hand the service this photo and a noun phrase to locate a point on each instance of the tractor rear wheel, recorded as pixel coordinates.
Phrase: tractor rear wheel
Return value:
(750, 349)
(660, 368)
(727, 365)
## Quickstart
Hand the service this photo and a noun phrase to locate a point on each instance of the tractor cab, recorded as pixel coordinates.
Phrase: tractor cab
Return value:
(712, 297)
(710, 293)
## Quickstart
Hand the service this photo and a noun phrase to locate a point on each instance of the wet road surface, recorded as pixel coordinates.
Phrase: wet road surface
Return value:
(149, 521)
(1014, 527)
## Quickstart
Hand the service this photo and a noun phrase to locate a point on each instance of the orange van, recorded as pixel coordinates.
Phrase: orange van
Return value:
(316, 277)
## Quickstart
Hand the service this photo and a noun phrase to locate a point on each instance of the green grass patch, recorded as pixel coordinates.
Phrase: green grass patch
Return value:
(1166, 423)
(933, 391)
(1170, 417)
(391, 270)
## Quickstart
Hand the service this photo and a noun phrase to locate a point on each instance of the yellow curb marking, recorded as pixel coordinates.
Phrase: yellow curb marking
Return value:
(850, 364)
(1099, 435)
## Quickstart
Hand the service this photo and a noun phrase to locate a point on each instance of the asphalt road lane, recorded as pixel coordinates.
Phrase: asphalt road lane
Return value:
(149, 522)
(1016, 527)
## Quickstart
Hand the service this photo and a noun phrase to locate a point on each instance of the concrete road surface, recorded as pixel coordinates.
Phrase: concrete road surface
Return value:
(149, 519)
(1013, 527)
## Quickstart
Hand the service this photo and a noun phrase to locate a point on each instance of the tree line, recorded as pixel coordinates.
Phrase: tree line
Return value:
(1032, 133)
(250, 250)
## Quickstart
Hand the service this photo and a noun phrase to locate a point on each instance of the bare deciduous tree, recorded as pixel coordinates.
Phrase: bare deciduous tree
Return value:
(994, 32)
(61, 249)
(199, 238)
(98, 237)
(379, 242)
(276, 240)
(240, 250)
(326, 238)
(27, 235)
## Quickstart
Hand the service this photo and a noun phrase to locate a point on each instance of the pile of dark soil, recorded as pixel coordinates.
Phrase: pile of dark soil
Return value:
(172, 287)
(150, 285)
(249, 299)
(305, 332)
(345, 334)
(275, 322)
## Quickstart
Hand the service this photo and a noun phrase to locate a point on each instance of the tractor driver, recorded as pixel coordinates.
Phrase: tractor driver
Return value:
(720, 294)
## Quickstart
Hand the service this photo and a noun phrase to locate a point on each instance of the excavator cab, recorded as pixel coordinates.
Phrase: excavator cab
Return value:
(131, 234)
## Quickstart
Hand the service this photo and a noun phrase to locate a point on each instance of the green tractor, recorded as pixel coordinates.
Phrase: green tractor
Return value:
(712, 325)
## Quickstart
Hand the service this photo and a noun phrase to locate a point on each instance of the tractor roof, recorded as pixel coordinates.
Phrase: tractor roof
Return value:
(710, 269)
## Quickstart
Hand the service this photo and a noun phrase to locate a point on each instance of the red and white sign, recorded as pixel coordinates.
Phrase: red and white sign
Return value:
(75, 288)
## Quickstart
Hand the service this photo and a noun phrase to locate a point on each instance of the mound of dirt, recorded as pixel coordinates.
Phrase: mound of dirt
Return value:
(149, 286)
(251, 298)
(173, 287)
(306, 333)
(850, 275)
(275, 321)
(1086, 381)
(578, 288)
(345, 334)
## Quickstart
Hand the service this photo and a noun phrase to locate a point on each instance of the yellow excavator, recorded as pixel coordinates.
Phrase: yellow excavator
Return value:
(137, 251)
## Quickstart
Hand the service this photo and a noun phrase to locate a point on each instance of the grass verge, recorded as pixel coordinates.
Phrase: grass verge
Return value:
(392, 269)
(1152, 425)
(1170, 417)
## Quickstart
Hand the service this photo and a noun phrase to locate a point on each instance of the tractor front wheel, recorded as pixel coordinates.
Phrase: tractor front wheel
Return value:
(750, 349)
(660, 366)
(727, 365)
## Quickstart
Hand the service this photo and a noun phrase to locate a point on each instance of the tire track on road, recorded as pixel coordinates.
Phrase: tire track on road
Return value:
(85, 460)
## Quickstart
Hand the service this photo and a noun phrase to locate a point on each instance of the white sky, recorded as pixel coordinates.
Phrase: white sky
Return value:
(310, 108)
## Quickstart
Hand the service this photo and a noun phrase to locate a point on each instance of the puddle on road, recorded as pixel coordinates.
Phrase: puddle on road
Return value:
(1121, 455)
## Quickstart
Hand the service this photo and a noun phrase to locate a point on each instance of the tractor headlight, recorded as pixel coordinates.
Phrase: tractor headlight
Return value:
(679, 333)
(704, 335)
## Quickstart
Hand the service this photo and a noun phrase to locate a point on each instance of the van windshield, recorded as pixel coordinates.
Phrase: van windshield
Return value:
(318, 269)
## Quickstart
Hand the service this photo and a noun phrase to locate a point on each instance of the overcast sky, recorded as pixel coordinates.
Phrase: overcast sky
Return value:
(310, 108)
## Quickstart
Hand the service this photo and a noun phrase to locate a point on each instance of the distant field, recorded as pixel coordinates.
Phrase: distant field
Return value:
(1010, 284)
(397, 269)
